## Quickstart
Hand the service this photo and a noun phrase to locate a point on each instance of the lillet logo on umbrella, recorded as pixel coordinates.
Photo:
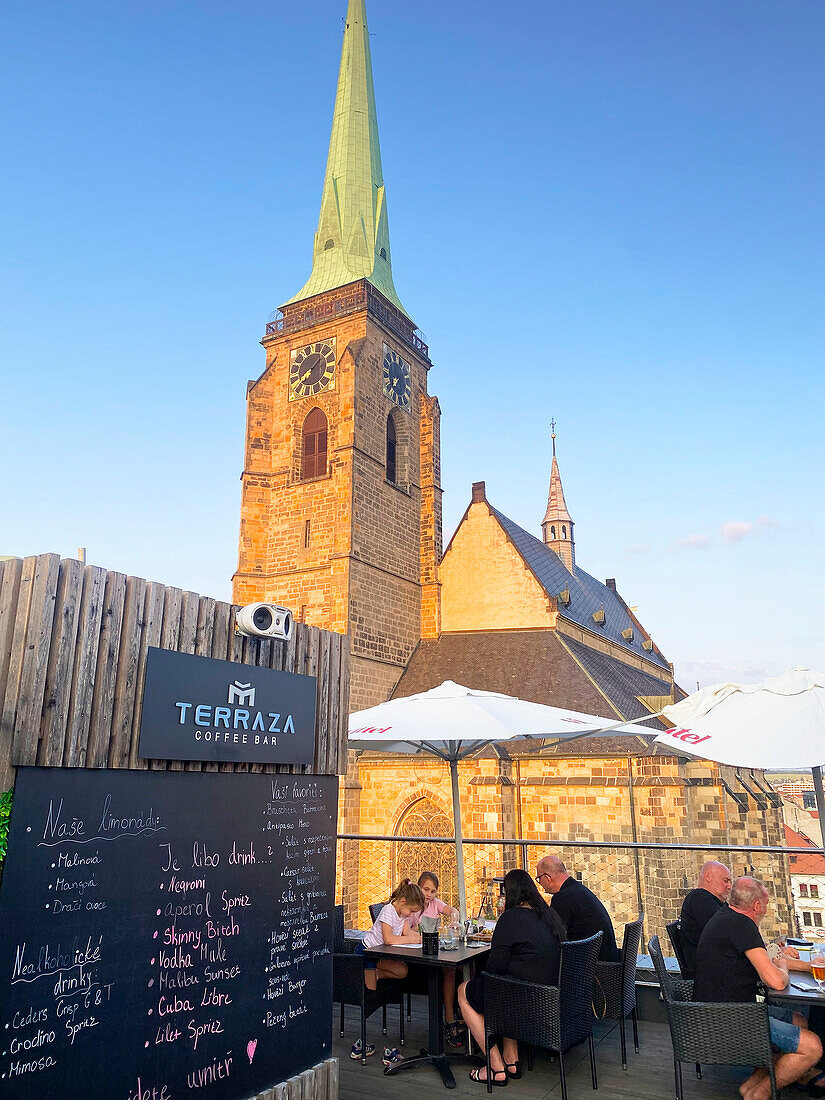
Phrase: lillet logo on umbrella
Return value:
(688, 736)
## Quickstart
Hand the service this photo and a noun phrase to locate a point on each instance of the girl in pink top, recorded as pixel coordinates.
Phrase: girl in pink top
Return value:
(435, 907)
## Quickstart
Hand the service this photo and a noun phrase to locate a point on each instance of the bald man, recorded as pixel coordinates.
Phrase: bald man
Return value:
(579, 908)
(730, 963)
(700, 905)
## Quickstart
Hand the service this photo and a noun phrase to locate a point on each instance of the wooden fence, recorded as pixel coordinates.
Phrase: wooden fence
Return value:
(73, 643)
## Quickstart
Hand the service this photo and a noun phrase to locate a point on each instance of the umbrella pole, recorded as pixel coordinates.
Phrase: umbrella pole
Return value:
(459, 846)
(820, 799)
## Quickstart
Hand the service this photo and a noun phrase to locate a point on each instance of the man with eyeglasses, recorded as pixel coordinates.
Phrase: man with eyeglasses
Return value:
(579, 908)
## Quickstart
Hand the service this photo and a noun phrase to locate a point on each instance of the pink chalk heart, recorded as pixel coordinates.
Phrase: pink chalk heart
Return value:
(251, 1046)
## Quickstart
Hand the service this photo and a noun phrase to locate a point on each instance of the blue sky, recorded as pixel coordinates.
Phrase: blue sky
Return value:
(607, 213)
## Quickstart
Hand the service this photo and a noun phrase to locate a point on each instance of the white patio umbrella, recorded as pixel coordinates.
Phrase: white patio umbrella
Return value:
(453, 722)
(778, 724)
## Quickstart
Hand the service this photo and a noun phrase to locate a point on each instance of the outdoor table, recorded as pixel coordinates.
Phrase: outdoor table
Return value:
(435, 964)
(802, 991)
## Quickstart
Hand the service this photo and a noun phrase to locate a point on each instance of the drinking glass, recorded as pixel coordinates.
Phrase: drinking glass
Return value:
(818, 965)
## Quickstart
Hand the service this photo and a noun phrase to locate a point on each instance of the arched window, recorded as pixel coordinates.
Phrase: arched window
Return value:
(564, 531)
(552, 531)
(314, 445)
(328, 244)
(383, 253)
(392, 450)
(424, 818)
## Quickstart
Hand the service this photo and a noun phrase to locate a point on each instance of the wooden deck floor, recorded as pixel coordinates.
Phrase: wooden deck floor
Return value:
(649, 1075)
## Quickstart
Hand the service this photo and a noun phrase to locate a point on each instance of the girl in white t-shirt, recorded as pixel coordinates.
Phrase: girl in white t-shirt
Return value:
(393, 927)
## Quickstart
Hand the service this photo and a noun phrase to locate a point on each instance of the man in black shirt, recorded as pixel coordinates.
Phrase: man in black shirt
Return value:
(731, 959)
(579, 908)
(700, 905)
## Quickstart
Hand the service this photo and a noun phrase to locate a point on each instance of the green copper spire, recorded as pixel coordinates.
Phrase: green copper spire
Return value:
(353, 240)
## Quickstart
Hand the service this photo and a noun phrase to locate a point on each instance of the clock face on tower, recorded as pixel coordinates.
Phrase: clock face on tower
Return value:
(396, 378)
(311, 369)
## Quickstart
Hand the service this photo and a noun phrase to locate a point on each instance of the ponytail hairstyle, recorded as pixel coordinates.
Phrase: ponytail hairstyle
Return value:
(428, 876)
(520, 888)
(410, 893)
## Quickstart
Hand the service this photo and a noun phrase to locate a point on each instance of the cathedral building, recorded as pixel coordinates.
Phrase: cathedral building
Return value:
(341, 522)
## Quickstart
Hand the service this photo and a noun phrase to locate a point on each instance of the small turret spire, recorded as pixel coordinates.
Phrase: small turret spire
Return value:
(557, 525)
(352, 240)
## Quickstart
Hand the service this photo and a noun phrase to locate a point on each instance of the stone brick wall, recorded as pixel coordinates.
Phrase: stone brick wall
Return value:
(348, 551)
(516, 601)
(556, 804)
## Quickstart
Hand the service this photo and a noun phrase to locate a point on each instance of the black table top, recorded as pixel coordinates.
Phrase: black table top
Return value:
(415, 955)
(802, 990)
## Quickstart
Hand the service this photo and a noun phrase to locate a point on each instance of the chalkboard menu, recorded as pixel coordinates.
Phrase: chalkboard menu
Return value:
(165, 935)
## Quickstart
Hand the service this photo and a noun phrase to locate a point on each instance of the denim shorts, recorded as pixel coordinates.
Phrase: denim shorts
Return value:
(784, 1033)
(370, 962)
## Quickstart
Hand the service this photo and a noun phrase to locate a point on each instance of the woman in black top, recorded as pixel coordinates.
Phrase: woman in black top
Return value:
(526, 944)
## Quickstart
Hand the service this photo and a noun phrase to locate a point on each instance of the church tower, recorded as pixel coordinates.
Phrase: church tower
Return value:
(341, 494)
(557, 526)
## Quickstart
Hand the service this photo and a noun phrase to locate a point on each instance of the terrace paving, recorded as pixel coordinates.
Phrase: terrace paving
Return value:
(649, 1075)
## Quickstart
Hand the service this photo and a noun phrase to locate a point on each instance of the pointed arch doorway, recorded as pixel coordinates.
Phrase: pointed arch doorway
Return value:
(425, 818)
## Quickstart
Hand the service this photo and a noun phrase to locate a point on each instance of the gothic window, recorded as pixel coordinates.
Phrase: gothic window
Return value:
(392, 450)
(383, 253)
(552, 532)
(314, 445)
(424, 818)
(564, 531)
(328, 244)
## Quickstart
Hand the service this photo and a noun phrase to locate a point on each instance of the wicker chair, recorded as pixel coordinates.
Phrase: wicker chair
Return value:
(674, 931)
(713, 1034)
(349, 988)
(615, 992)
(375, 909)
(556, 1017)
(340, 944)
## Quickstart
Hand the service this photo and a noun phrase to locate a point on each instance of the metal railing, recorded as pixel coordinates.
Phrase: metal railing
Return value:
(630, 877)
(363, 296)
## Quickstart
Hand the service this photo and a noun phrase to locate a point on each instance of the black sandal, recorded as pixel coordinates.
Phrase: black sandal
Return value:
(475, 1075)
(455, 1033)
(513, 1070)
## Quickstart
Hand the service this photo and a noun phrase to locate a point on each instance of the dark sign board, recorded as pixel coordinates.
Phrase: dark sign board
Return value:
(199, 708)
(165, 934)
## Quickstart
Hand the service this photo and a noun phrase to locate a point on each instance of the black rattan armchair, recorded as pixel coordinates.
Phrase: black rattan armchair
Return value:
(556, 1017)
(713, 1034)
(375, 910)
(349, 988)
(674, 931)
(614, 996)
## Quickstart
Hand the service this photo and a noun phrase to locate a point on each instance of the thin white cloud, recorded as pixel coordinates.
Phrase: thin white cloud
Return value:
(715, 672)
(692, 542)
(735, 530)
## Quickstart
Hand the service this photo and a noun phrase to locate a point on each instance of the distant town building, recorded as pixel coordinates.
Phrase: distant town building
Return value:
(807, 885)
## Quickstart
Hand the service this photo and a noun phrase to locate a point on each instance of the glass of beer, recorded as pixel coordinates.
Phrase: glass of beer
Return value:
(818, 965)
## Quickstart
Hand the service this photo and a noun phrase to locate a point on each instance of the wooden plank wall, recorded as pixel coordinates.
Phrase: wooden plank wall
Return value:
(73, 643)
(318, 1083)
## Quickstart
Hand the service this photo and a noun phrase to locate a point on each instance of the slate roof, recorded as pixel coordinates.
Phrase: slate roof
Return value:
(587, 595)
(620, 682)
(540, 665)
